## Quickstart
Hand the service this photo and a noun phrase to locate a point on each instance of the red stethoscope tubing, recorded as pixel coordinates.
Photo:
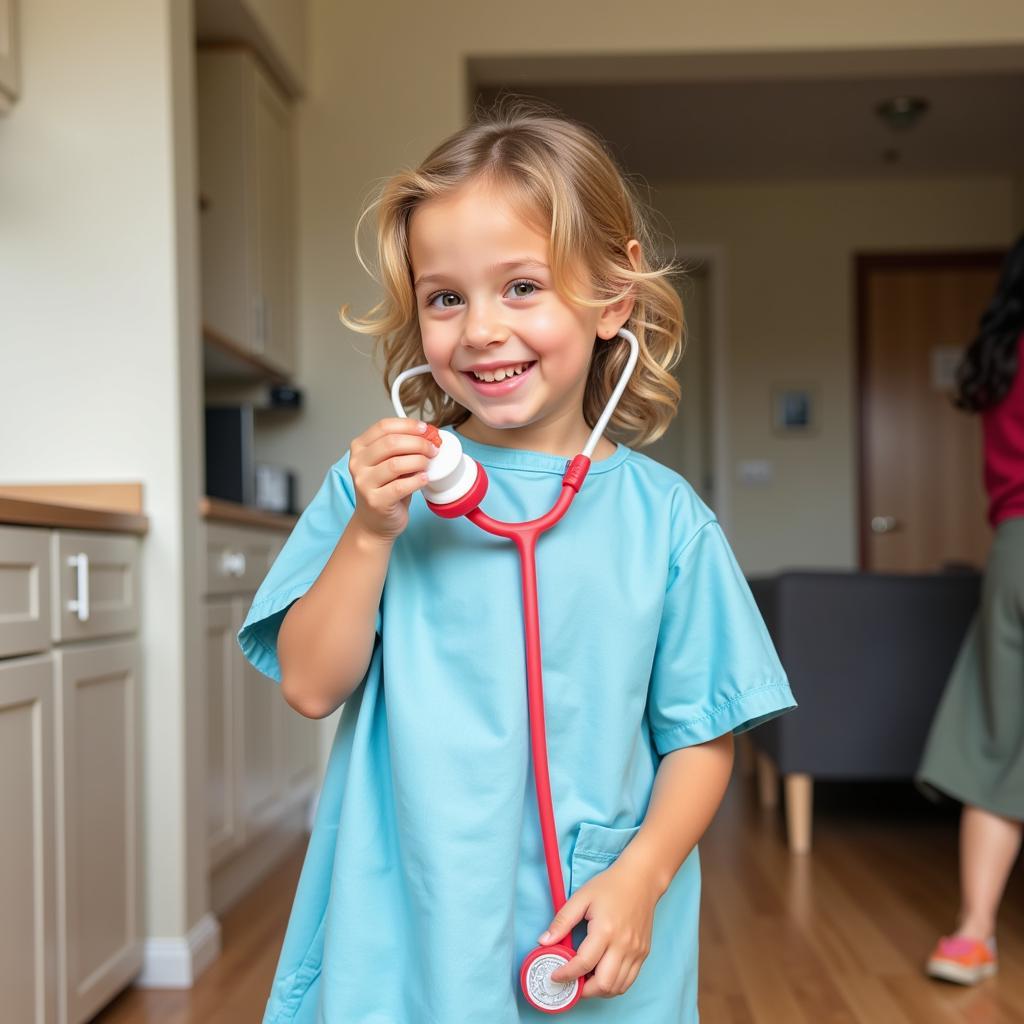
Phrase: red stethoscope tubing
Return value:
(525, 535)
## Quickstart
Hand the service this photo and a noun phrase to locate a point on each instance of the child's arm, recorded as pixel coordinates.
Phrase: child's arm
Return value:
(325, 641)
(688, 789)
(619, 902)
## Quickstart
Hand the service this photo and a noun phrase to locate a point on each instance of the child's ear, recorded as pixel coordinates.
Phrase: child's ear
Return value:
(616, 314)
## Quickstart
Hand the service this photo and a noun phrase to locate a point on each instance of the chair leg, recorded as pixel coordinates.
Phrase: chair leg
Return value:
(767, 781)
(799, 810)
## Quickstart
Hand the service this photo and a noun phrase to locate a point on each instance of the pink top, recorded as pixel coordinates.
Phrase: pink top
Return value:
(1003, 428)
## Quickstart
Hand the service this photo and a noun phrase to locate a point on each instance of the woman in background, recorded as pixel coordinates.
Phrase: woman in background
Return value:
(975, 750)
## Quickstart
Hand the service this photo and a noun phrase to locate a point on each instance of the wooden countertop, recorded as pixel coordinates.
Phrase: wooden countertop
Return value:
(221, 511)
(112, 507)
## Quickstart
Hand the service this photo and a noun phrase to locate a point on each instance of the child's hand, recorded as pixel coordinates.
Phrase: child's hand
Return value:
(387, 464)
(619, 907)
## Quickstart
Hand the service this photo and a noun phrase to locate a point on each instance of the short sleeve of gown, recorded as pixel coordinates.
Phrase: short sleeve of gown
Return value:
(298, 564)
(715, 667)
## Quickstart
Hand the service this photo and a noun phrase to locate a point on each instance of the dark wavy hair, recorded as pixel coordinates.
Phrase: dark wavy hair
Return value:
(990, 363)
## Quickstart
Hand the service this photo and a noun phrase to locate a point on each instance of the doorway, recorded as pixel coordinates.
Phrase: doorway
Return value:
(687, 445)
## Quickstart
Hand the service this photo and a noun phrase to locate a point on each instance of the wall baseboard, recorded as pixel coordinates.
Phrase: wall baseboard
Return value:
(178, 962)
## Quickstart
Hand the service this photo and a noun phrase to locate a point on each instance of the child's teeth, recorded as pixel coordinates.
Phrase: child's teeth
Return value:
(501, 374)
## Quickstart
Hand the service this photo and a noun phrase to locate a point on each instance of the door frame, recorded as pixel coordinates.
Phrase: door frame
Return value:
(713, 259)
(864, 264)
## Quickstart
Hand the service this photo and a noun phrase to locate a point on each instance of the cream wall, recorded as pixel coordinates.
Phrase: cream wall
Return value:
(99, 351)
(790, 319)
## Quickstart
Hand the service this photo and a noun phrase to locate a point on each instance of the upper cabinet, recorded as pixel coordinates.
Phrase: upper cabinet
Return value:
(8, 53)
(246, 181)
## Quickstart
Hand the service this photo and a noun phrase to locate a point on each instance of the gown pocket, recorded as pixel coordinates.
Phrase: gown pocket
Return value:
(596, 848)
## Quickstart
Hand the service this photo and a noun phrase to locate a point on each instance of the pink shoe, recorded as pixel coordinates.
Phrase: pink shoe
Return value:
(962, 960)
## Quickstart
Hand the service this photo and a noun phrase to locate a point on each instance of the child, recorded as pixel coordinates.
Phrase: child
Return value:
(516, 243)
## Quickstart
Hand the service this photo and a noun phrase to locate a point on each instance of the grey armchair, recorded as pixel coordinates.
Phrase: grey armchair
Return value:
(867, 655)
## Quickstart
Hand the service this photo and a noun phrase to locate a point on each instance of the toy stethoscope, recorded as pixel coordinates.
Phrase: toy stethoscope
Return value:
(456, 485)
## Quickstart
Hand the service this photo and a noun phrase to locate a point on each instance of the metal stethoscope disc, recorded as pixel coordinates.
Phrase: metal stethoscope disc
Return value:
(535, 980)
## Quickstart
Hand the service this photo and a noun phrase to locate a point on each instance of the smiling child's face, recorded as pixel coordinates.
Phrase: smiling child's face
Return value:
(486, 301)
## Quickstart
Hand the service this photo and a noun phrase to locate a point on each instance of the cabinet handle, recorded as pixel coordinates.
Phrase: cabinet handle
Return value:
(80, 603)
(232, 563)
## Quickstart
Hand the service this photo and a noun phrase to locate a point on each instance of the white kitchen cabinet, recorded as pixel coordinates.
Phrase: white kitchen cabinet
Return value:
(100, 887)
(9, 67)
(261, 754)
(28, 872)
(70, 771)
(246, 181)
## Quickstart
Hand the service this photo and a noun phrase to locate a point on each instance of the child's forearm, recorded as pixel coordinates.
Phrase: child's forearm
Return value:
(326, 639)
(688, 790)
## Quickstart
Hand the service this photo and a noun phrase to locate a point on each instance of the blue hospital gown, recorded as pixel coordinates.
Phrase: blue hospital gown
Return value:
(424, 884)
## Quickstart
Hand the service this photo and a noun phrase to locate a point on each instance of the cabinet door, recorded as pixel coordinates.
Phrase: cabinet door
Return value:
(237, 557)
(271, 166)
(221, 731)
(24, 590)
(95, 584)
(98, 824)
(256, 699)
(28, 921)
(227, 228)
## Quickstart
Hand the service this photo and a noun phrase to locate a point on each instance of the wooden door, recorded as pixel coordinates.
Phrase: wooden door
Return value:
(922, 498)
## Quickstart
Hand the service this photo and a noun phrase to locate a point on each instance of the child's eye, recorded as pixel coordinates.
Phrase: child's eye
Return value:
(440, 295)
(526, 284)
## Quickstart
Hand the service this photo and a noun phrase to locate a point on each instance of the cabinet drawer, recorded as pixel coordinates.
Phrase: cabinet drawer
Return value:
(24, 590)
(95, 580)
(237, 558)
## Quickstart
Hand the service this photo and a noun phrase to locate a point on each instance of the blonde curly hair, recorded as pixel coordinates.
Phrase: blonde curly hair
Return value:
(561, 177)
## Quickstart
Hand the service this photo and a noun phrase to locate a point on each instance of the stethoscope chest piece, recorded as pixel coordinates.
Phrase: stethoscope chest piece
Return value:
(456, 484)
(535, 980)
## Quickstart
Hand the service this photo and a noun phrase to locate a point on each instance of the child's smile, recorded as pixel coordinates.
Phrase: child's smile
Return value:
(500, 380)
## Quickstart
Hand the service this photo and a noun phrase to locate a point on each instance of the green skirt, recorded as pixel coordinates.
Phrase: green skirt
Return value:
(975, 748)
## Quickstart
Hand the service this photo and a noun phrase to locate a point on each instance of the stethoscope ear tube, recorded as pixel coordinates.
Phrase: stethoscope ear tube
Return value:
(456, 486)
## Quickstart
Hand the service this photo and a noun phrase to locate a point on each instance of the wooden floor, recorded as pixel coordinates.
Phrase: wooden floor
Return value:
(836, 937)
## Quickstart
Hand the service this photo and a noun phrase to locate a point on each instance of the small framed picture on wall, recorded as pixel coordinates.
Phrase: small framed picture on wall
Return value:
(794, 410)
